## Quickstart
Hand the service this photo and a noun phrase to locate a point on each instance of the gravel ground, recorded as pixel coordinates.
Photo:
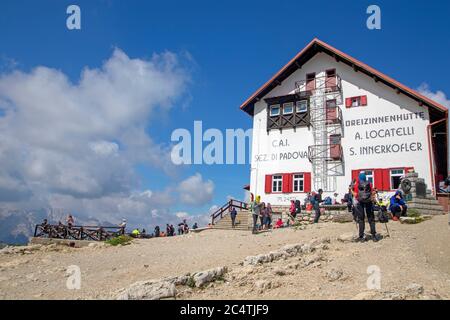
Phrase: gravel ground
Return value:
(414, 254)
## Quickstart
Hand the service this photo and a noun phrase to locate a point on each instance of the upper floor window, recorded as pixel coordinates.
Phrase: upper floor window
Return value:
(356, 101)
(288, 108)
(277, 182)
(301, 106)
(274, 110)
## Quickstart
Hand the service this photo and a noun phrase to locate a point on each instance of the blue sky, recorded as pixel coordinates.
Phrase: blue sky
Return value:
(228, 48)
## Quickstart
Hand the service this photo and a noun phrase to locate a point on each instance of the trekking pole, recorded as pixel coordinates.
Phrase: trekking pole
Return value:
(387, 229)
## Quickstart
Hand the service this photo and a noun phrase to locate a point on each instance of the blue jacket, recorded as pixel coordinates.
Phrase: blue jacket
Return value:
(396, 202)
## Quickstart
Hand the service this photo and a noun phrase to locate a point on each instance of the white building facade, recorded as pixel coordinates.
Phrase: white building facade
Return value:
(325, 117)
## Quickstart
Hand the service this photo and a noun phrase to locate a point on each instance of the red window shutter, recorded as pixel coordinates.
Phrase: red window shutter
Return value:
(378, 176)
(307, 182)
(386, 179)
(348, 102)
(355, 174)
(268, 188)
(287, 187)
(364, 100)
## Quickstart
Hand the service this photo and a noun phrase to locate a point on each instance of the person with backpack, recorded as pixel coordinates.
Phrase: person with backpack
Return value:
(363, 199)
(292, 210)
(316, 200)
(298, 207)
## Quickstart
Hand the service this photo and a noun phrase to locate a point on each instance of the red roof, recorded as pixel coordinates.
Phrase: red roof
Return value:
(316, 46)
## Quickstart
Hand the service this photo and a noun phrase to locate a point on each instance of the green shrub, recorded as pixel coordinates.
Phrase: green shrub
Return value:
(120, 240)
(413, 213)
(191, 283)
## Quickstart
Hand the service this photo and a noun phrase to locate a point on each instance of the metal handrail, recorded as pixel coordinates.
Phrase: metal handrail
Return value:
(232, 203)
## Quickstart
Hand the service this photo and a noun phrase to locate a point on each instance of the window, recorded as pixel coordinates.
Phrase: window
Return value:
(356, 101)
(299, 183)
(301, 106)
(277, 182)
(275, 110)
(396, 175)
(288, 108)
(370, 176)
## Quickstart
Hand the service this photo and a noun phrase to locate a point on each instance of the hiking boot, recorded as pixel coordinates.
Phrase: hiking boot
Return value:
(360, 239)
(376, 238)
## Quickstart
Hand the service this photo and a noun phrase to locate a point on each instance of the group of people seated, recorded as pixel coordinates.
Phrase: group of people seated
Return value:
(183, 228)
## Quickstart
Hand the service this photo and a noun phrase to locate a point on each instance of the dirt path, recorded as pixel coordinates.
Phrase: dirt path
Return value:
(414, 253)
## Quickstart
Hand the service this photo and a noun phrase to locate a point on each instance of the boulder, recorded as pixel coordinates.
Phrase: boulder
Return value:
(204, 277)
(148, 290)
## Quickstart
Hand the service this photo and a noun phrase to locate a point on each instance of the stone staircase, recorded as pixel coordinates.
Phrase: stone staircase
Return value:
(423, 203)
(243, 221)
(426, 206)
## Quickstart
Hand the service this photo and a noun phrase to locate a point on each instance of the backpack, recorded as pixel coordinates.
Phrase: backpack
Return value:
(383, 216)
(312, 199)
(364, 192)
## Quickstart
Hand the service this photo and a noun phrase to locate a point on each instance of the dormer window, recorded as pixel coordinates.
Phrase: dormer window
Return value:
(288, 108)
(274, 110)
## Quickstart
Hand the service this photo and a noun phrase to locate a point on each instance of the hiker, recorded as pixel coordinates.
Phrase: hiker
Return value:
(363, 199)
(233, 214)
(298, 207)
(279, 224)
(185, 227)
(168, 230)
(292, 210)
(316, 200)
(262, 214)
(348, 199)
(255, 208)
(157, 232)
(172, 230)
(397, 206)
(335, 198)
(70, 221)
(195, 226)
(135, 233)
(269, 213)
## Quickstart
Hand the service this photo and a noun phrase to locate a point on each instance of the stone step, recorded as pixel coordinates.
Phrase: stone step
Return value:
(430, 212)
(424, 201)
(421, 206)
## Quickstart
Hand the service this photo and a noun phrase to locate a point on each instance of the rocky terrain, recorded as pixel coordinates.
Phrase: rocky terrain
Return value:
(318, 262)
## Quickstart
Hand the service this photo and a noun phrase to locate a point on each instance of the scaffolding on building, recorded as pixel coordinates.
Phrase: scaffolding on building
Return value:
(325, 98)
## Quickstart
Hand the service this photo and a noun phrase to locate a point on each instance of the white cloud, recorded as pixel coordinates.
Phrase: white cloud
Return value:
(83, 139)
(76, 145)
(196, 191)
(438, 96)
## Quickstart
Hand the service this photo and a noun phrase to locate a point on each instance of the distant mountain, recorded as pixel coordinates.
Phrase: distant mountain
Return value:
(16, 226)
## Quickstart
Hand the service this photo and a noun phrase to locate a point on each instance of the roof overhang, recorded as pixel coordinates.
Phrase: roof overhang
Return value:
(316, 46)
